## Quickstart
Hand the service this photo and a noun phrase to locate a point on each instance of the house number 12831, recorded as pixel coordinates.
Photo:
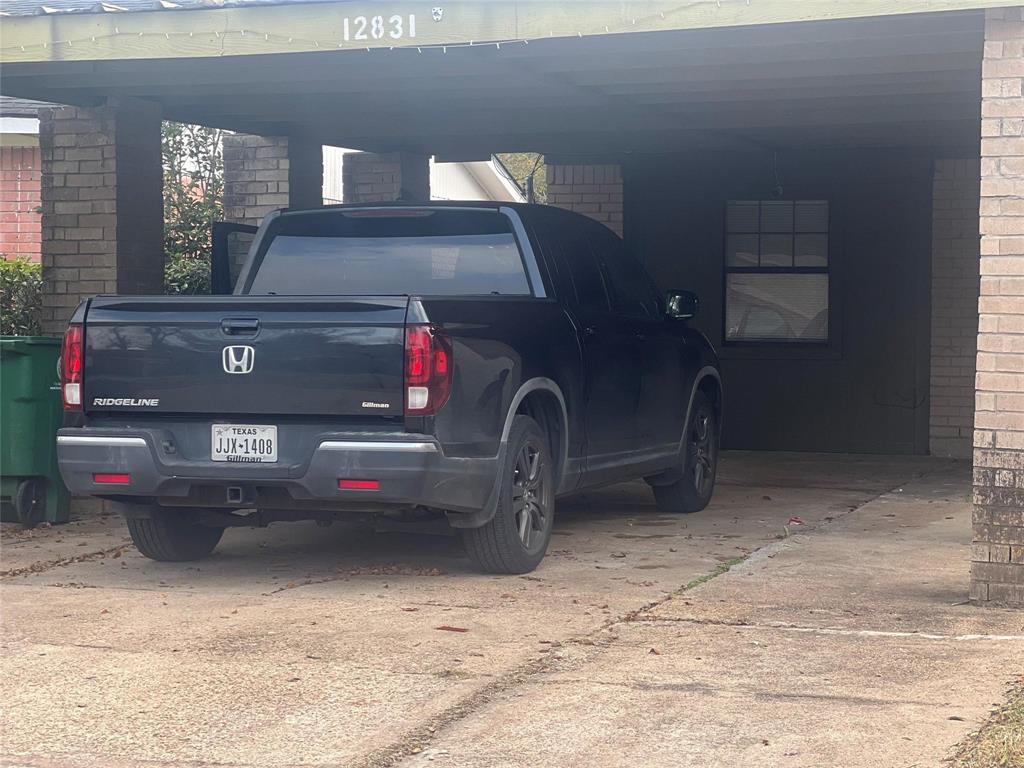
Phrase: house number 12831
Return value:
(395, 27)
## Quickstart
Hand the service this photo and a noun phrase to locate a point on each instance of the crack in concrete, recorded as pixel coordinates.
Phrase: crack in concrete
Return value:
(781, 626)
(885, 633)
(416, 740)
(707, 690)
(41, 566)
(304, 583)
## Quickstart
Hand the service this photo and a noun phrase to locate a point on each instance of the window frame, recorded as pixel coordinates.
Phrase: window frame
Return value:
(780, 345)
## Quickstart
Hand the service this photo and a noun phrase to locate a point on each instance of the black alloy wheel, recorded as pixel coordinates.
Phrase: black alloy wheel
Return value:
(689, 487)
(516, 538)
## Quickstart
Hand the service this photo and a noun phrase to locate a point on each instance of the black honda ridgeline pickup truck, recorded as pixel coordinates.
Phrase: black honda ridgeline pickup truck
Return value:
(470, 360)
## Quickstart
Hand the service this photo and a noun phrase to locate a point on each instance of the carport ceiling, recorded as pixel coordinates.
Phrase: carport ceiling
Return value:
(909, 81)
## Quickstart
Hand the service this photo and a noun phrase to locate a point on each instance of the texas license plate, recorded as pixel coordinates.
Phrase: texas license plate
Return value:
(244, 443)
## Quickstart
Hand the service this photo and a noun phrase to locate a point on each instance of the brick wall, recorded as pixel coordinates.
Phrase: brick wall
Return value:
(379, 178)
(262, 174)
(20, 227)
(954, 322)
(102, 205)
(997, 570)
(594, 190)
(255, 176)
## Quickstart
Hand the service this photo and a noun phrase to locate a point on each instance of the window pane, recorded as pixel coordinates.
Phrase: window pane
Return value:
(578, 272)
(455, 265)
(776, 307)
(776, 216)
(741, 250)
(812, 216)
(550, 234)
(776, 250)
(442, 253)
(627, 286)
(631, 295)
(584, 268)
(741, 216)
(811, 251)
(590, 292)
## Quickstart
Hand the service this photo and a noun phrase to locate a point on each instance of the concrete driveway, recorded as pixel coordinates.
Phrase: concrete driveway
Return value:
(813, 615)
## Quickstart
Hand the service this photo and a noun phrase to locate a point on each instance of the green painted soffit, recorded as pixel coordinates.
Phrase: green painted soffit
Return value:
(300, 27)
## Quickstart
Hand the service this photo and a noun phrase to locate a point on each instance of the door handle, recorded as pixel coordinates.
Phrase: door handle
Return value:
(240, 326)
(589, 330)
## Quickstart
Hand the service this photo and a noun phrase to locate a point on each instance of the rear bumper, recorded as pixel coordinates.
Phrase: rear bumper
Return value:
(411, 470)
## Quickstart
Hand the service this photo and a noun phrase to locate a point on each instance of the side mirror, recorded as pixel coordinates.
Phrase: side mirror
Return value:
(682, 305)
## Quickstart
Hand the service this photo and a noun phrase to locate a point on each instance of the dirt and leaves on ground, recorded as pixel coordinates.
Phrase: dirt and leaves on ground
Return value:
(11, 532)
(1000, 741)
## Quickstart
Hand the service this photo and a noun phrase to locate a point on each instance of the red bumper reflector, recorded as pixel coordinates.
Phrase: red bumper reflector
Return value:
(109, 478)
(359, 485)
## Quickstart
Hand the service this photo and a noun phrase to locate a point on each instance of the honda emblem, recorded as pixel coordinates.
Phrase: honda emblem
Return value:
(238, 359)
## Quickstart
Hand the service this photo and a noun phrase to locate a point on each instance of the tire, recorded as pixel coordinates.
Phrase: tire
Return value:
(695, 485)
(30, 501)
(516, 538)
(169, 536)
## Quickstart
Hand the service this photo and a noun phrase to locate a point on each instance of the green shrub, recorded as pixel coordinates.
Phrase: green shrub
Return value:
(21, 298)
(186, 275)
(193, 200)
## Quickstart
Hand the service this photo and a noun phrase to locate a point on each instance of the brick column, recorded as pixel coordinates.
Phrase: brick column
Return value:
(955, 254)
(377, 178)
(594, 190)
(997, 570)
(264, 173)
(102, 204)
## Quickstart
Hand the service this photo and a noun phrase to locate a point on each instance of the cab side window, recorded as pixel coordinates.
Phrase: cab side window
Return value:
(579, 272)
(629, 288)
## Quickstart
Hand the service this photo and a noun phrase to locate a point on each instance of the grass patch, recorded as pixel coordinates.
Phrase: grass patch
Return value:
(1000, 742)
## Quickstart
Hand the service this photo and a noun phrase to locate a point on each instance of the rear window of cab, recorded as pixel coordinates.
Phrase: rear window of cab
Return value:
(382, 252)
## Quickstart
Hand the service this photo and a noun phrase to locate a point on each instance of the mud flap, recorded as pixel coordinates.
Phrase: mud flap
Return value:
(482, 517)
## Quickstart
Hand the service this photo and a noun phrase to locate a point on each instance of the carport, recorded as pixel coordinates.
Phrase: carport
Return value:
(811, 169)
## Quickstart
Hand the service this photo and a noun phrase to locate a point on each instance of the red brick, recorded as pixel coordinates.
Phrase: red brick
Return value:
(20, 231)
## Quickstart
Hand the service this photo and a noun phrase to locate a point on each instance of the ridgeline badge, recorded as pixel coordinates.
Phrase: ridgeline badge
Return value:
(134, 402)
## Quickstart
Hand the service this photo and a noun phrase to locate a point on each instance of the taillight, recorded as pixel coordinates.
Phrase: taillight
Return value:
(428, 370)
(71, 360)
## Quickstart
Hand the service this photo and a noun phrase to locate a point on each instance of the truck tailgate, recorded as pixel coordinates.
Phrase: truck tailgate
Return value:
(266, 355)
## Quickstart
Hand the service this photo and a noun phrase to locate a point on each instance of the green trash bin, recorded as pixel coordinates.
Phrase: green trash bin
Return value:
(30, 415)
